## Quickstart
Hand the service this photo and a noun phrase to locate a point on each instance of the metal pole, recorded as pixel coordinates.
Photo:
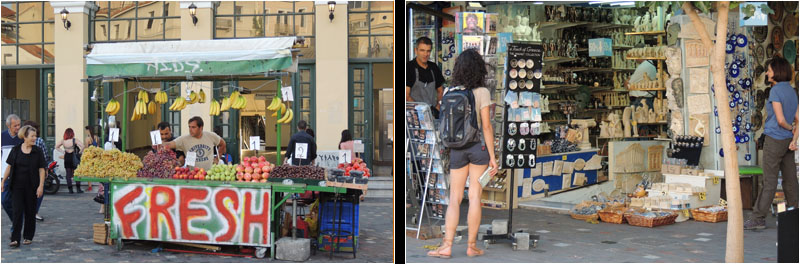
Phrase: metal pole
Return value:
(124, 114)
(294, 216)
(280, 115)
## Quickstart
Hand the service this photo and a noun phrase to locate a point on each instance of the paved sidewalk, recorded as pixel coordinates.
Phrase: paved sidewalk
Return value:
(564, 239)
(66, 236)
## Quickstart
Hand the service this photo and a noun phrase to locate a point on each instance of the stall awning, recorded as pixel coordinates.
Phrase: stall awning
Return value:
(191, 57)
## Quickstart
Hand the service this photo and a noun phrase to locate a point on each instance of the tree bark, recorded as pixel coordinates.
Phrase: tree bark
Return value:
(734, 250)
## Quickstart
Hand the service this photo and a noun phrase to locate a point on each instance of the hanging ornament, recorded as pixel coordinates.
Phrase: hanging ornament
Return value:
(741, 41)
(731, 88)
(746, 138)
(747, 126)
(732, 104)
(738, 118)
(718, 130)
(747, 157)
(721, 154)
(729, 47)
(736, 95)
(735, 129)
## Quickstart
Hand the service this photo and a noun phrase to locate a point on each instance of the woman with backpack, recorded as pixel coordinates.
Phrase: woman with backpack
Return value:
(72, 147)
(471, 147)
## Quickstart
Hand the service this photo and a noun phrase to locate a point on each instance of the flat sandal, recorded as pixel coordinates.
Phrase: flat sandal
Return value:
(26, 242)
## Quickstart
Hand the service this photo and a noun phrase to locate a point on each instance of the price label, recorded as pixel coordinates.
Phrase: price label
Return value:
(191, 157)
(155, 137)
(286, 93)
(255, 143)
(358, 147)
(344, 156)
(112, 120)
(686, 212)
(301, 150)
(114, 135)
(702, 196)
(715, 179)
(564, 157)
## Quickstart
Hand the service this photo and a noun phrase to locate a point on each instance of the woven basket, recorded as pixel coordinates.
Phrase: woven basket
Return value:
(637, 220)
(100, 233)
(711, 217)
(583, 217)
(614, 215)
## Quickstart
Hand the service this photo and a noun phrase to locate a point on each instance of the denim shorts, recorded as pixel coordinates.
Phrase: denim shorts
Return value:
(476, 154)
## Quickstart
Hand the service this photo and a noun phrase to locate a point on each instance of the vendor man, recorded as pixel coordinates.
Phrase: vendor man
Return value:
(423, 78)
(166, 136)
(200, 142)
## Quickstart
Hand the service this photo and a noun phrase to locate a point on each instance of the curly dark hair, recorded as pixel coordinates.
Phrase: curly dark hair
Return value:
(470, 70)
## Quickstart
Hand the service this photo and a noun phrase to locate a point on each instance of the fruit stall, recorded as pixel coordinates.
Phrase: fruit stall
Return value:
(155, 199)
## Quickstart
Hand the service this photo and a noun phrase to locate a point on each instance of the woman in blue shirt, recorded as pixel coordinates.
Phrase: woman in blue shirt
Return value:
(778, 153)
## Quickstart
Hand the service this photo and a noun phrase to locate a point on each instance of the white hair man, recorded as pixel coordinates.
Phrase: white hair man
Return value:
(10, 136)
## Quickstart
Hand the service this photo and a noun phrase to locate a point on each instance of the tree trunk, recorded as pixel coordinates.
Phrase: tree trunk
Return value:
(734, 251)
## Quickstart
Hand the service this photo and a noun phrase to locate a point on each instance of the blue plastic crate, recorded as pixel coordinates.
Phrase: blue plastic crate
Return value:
(349, 219)
(345, 244)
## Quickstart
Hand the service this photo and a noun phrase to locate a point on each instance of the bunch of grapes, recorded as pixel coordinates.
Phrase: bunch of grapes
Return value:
(100, 163)
(159, 164)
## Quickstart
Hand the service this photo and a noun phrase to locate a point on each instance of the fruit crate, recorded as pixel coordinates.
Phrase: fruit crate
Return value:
(100, 233)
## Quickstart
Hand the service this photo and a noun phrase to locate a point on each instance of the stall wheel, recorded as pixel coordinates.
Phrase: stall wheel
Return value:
(261, 252)
(118, 244)
(486, 243)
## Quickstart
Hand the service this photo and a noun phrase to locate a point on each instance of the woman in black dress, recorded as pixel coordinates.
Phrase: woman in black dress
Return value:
(26, 172)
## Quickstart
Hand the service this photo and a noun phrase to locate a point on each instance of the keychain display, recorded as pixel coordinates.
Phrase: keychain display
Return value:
(523, 105)
(524, 129)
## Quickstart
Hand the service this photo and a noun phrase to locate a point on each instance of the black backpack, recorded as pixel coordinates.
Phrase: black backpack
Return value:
(459, 123)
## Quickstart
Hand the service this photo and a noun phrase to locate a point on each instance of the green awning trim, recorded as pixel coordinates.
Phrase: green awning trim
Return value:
(208, 68)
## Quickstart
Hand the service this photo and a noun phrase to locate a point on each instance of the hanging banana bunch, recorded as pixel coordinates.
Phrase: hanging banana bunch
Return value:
(215, 108)
(113, 107)
(276, 105)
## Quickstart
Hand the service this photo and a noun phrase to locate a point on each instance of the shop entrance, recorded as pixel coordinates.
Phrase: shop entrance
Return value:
(30, 94)
(360, 106)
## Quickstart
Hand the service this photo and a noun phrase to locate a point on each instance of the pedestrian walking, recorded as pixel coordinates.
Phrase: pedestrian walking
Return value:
(25, 176)
(43, 147)
(71, 147)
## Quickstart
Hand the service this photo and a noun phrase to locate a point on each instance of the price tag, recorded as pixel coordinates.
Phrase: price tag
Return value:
(686, 212)
(702, 196)
(155, 137)
(344, 156)
(255, 143)
(112, 120)
(191, 157)
(358, 146)
(564, 157)
(715, 179)
(286, 93)
(301, 150)
(114, 135)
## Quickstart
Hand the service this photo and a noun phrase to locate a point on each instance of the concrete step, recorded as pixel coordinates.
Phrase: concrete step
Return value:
(379, 185)
(383, 171)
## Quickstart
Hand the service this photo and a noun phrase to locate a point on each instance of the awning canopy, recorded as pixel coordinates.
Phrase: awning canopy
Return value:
(195, 58)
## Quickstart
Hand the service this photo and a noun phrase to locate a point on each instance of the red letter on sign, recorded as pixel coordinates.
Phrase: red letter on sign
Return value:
(186, 214)
(229, 217)
(250, 218)
(126, 220)
(157, 209)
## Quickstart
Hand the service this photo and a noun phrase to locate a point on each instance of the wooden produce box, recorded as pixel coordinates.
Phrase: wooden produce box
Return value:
(101, 233)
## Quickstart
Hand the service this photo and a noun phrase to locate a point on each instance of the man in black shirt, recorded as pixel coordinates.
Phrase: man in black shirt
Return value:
(302, 137)
(423, 78)
(166, 136)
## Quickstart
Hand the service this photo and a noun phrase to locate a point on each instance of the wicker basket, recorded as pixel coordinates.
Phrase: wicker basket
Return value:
(100, 234)
(583, 217)
(637, 220)
(614, 215)
(711, 217)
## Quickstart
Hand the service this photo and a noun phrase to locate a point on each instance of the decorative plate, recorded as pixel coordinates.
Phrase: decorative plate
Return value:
(522, 73)
(530, 74)
(760, 33)
(529, 64)
(529, 84)
(770, 52)
(790, 25)
(521, 64)
(789, 51)
(537, 73)
(775, 17)
(538, 185)
(513, 73)
(512, 84)
(579, 164)
(777, 38)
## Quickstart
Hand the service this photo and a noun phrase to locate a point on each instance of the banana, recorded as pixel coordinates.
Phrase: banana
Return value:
(236, 101)
(274, 114)
(151, 108)
(202, 96)
(286, 118)
(216, 107)
(174, 103)
(244, 102)
(116, 108)
(283, 108)
(225, 104)
(271, 106)
(183, 104)
(109, 106)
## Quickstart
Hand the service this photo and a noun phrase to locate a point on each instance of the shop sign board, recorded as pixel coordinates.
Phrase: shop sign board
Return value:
(600, 47)
(194, 214)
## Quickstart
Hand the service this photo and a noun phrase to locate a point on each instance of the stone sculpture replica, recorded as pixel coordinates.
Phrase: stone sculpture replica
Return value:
(626, 121)
(583, 127)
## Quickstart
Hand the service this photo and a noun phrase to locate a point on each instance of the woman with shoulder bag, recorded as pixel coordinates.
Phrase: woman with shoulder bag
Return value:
(471, 160)
(25, 172)
(72, 147)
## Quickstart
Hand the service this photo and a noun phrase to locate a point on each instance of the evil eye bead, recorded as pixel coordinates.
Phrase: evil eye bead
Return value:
(729, 47)
(718, 130)
(740, 101)
(747, 127)
(735, 65)
(746, 104)
(746, 138)
(738, 118)
(721, 154)
(741, 41)
(732, 104)
(735, 129)
(741, 111)
(748, 83)
(731, 88)
(736, 95)
(715, 111)
(747, 157)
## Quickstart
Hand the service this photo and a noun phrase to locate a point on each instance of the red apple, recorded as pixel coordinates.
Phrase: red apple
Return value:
(256, 176)
(239, 168)
(265, 175)
(263, 180)
(262, 159)
(239, 175)
(265, 169)
(257, 170)
(248, 170)
(248, 176)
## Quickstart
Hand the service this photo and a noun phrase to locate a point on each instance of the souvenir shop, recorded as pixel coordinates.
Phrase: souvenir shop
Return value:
(608, 109)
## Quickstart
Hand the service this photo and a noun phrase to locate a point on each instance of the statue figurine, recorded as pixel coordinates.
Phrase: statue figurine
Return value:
(525, 29)
(651, 117)
(626, 121)
(604, 130)
(535, 33)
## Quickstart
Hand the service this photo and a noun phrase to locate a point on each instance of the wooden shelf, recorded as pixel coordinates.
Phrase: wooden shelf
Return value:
(555, 87)
(613, 91)
(648, 33)
(623, 69)
(559, 25)
(555, 121)
(556, 60)
(651, 89)
(654, 123)
(621, 47)
(645, 58)
(606, 26)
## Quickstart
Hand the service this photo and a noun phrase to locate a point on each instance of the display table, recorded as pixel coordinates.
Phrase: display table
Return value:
(158, 210)
(711, 185)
